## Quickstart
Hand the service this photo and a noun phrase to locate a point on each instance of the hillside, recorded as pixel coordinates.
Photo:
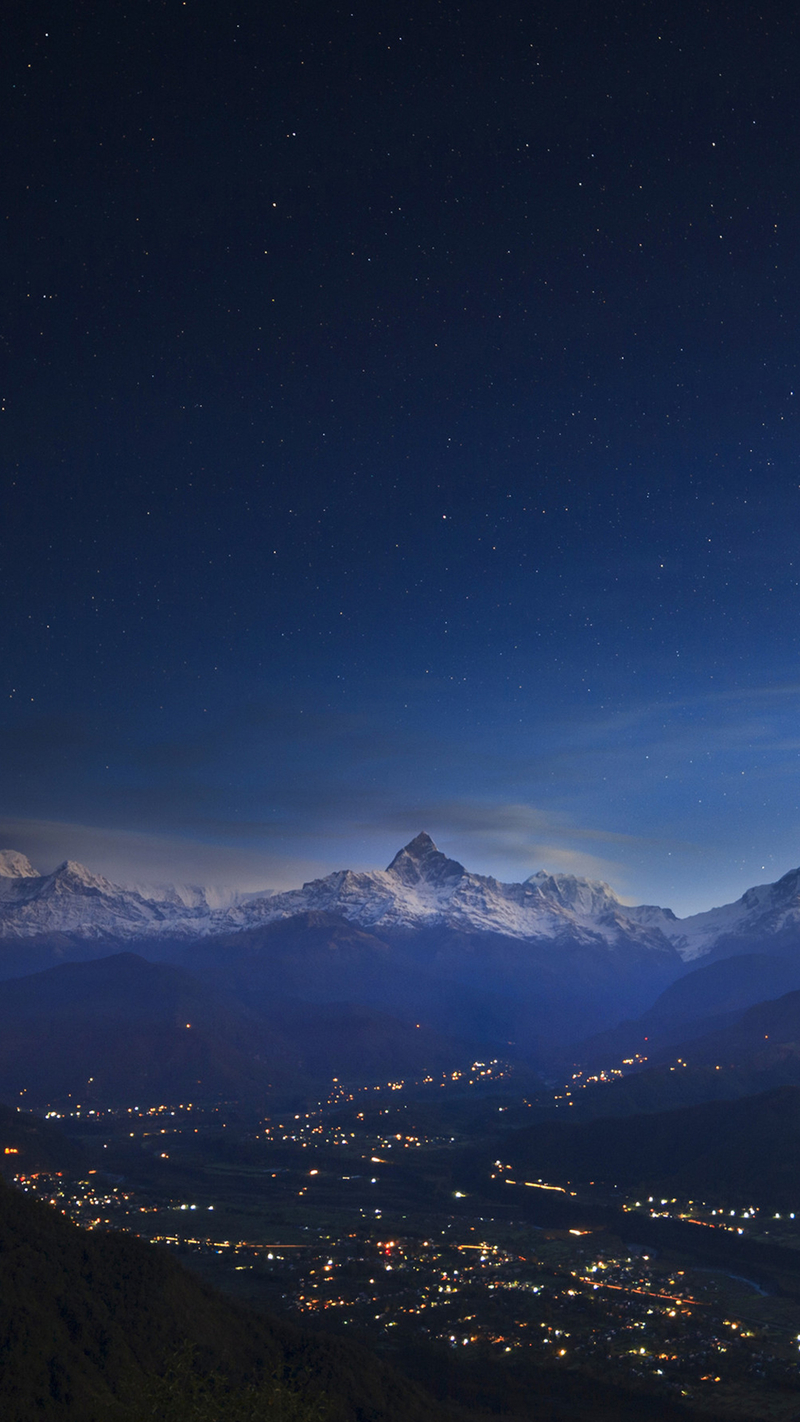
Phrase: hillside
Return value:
(121, 1027)
(730, 1148)
(709, 998)
(768, 1034)
(88, 1323)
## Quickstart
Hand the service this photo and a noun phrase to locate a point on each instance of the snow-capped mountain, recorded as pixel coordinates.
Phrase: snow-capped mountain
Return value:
(14, 865)
(763, 912)
(74, 901)
(421, 888)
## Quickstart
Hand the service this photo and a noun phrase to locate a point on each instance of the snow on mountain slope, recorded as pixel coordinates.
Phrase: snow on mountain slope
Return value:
(192, 896)
(421, 888)
(14, 865)
(762, 912)
(72, 900)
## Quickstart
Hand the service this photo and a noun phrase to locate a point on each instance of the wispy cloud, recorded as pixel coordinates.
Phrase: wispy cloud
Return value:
(271, 794)
(127, 857)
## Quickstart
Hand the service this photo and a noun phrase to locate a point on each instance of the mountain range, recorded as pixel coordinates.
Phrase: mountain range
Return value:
(421, 888)
(532, 968)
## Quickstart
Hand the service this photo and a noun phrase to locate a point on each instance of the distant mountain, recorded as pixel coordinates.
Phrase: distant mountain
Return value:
(768, 914)
(122, 1030)
(71, 900)
(421, 888)
(531, 966)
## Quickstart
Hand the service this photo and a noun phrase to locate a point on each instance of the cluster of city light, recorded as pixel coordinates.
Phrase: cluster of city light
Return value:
(699, 1212)
(582, 1079)
(494, 1070)
(52, 1114)
(631, 1286)
(419, 1286)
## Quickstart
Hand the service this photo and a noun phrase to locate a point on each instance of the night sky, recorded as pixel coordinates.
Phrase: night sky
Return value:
(400, 432)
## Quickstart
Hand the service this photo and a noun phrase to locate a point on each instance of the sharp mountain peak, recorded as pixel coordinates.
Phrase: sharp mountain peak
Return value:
(421, 860)
(421, 888)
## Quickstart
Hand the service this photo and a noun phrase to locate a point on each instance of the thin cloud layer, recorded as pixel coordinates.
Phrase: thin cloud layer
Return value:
(266, 796)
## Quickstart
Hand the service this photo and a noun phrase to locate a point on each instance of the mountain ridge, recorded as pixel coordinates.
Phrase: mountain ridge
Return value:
(420, 888)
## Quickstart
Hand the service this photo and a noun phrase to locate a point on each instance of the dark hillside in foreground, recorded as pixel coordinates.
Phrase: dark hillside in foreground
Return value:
(725, 1148)
(105, 1328)
(88, 1321)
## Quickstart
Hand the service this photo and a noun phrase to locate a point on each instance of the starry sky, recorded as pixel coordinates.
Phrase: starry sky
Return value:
(400, 432)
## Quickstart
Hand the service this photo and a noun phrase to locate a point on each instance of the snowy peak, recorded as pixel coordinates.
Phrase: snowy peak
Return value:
(586, 897)
(72, 875)
(14, 865)
(421, 889)
(761, 913)
(75, 901)
(784, 894)
(421, 862)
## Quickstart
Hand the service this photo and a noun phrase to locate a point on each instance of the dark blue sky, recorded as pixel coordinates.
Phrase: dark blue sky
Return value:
(400, 432)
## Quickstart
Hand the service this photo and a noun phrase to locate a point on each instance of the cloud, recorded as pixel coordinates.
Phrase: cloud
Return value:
(653, 800)
(513, 824)
(563, 860)
(509, 840)
(128, 857)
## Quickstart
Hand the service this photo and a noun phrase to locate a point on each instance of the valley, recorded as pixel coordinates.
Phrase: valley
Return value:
(362, 1213)
(562, 1166)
